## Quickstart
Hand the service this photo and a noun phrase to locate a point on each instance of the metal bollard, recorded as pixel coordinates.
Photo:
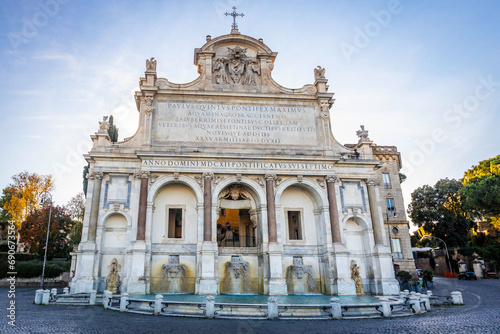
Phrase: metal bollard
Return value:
(335, 308)
(272, 308)
(210, 307)
(123, 301)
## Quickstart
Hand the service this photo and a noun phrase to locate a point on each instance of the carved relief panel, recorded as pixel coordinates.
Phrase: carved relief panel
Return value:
(236, 68)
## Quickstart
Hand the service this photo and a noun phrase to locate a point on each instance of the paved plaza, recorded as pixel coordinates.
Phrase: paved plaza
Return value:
(480, 314)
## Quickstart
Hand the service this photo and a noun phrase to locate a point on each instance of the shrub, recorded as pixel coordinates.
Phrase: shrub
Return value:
(18, 256)
(428, 275)
(404, 276)
(30, 269)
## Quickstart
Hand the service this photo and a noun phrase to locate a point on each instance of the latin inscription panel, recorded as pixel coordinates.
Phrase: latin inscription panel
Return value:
(235, 124)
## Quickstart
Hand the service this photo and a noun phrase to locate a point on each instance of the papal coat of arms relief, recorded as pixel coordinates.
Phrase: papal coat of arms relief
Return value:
(236, 68)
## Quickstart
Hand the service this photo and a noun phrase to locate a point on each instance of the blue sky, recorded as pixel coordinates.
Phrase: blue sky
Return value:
(421, 75)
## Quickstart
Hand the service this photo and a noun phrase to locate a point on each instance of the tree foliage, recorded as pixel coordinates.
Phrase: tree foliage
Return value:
(85, 180)
(34, 231)
(112, 130)
(481, 189)
(440, 211)
(21, 197)
(76, 207)
(402, 177)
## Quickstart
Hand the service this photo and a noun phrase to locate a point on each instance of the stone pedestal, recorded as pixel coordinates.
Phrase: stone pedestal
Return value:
(478, 270)
(277, 283)
(208, 284)
(84, 280)
(341, 282)
(135, 282)
(384, 282)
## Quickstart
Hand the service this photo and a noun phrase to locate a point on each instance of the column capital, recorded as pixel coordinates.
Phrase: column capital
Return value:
(141, 174)
(270, 177)
(332, 178)
(95, 175)
(371, 182)
(208, 175)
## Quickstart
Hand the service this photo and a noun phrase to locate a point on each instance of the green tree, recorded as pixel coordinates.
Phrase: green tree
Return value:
(112, 130)
(76, 207)
(85, 180)
(34, 231)
(481, 189)
(402, 177)
(21, 197)
(439, 210)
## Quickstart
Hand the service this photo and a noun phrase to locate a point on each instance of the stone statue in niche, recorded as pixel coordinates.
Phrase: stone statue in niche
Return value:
(362, 134)
(113, 280)
(319, 72)
(356, 277)
(151, 65)
(221, 76)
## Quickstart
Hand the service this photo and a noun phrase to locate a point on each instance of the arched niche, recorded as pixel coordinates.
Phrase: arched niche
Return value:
(175, 215)
(237, 219)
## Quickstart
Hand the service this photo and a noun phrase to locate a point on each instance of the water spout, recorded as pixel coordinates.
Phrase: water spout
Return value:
(174, 276)
(236, 278)
(300, 278)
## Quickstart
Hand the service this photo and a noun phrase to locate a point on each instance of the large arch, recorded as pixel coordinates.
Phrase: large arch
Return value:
(320, 196)
(164, 180)
(255, 187)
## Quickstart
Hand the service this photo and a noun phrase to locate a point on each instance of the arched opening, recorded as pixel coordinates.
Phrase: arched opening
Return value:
(237, 220)
(174, 231)
(356, 239)
(113, 247)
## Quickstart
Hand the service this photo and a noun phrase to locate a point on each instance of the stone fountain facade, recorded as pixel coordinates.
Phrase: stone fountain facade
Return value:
(233, 178)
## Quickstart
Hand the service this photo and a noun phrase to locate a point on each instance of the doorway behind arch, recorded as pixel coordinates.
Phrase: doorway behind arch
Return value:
(235, 228)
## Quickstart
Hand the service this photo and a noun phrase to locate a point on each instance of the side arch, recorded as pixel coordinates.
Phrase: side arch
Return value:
(164, 180)
(319, 194)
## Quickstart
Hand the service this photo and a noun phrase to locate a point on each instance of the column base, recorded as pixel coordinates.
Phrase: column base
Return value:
(344, 287)
(208, 287)
(83, 285)
(278, 287)
(385, 287)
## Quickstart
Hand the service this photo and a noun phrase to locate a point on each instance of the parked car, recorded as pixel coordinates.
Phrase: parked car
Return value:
(467, 275)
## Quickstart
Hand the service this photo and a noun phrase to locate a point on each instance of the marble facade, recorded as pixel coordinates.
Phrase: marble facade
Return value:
(234, 143)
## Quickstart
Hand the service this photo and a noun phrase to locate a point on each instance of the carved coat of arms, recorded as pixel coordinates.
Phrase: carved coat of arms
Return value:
(236, 66)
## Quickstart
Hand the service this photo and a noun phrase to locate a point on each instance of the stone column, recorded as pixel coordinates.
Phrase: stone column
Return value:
(94, 209)
(143, 198)
(271, 210)
(332, 203)
(377, 224)
(207, 206)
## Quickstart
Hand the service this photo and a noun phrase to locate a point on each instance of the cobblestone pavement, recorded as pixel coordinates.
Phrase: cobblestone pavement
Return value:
(480, 314)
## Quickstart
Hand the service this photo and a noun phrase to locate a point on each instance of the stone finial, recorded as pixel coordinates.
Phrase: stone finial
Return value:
(362, 134)
(104, 125)
(208, 38)
(319, 72)
(151, 65)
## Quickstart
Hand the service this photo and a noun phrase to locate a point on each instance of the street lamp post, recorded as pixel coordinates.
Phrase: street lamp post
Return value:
(45, 195)
(445, 247)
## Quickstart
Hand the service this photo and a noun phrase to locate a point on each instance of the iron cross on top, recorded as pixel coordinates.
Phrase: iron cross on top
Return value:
(234, 14)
